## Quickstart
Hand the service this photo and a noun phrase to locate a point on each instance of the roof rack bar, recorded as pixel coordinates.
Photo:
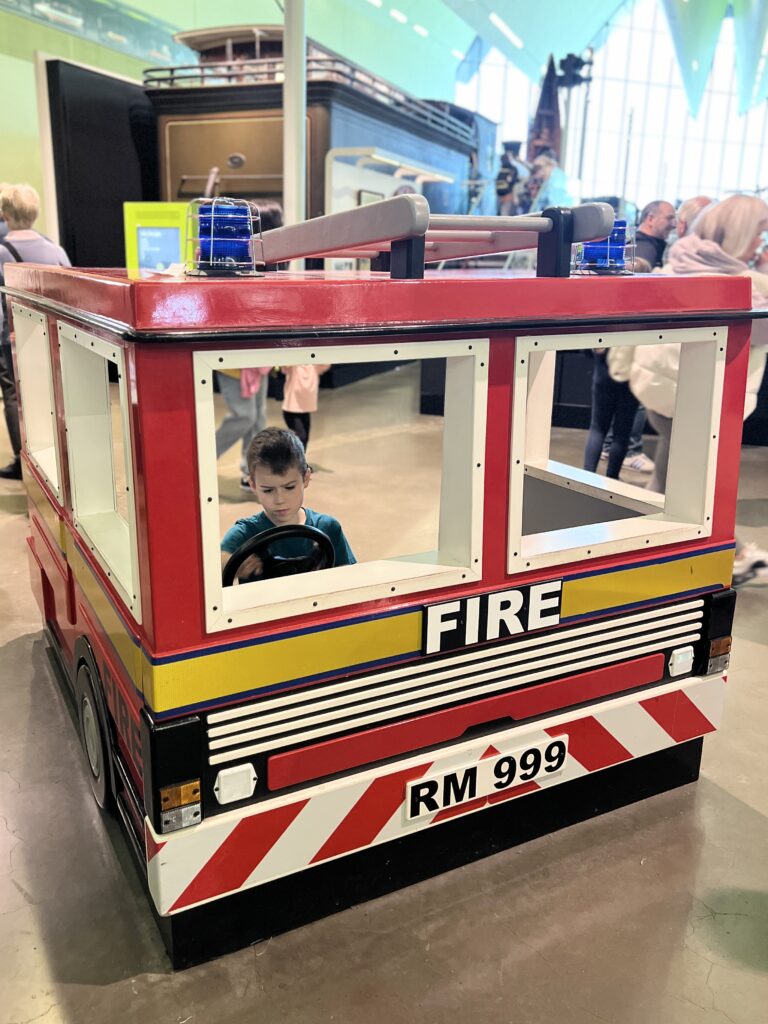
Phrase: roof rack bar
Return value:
(400, 234)
(399, 217)
(467, 222)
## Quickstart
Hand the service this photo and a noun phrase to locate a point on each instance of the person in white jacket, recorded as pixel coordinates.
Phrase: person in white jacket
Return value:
(723, 239)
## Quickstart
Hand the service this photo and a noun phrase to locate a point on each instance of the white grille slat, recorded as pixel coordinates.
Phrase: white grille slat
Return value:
(316, 703)
(675, 613)
(433, 702)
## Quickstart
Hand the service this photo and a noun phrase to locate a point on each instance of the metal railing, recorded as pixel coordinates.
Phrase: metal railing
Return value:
(372, 229)
(271, 71)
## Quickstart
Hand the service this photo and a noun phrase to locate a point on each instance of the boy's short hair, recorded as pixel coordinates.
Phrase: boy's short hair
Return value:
(277, 450)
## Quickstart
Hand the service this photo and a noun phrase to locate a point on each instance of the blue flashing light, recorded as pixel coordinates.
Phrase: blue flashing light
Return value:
(224, 231)
(606, 255)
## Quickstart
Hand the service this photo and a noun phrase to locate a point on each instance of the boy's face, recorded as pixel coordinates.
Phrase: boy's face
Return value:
(281, 495)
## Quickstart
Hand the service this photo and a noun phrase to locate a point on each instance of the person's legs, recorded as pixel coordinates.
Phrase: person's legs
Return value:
(750, 563)
(603, 405)
(635, 446)
(238, 421)
(258, 406)
(11, 409)
(663, 427)
(607, 442)
(298, 422)
(635, 438)
(623, 418)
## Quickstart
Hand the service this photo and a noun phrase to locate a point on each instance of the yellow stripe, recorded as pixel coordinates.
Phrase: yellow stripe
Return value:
(645, 583)
(199, 679)
(127, 649)
(204, 677)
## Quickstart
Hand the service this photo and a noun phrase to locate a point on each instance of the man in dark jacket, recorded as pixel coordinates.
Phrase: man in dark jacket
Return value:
(657, 222)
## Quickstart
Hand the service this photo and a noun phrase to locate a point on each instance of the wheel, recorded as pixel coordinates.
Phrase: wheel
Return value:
(321, 554)
(92, 737)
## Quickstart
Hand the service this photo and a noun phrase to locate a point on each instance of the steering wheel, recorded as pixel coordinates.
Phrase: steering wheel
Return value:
(321, 556)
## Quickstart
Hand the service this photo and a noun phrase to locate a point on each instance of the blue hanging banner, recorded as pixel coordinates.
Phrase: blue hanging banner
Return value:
(750, 22)
(695, 28)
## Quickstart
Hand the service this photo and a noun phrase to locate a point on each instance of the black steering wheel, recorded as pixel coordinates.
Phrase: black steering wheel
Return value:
(321, 555)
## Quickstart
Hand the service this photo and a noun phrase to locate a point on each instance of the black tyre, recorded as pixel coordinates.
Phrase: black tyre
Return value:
(93, 737)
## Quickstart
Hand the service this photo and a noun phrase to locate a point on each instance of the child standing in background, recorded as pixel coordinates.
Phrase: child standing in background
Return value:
(302, 384)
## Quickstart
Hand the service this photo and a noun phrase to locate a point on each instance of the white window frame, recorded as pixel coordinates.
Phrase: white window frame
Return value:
(35, 384)
(110, 538)
(461, 498)
(684, 513)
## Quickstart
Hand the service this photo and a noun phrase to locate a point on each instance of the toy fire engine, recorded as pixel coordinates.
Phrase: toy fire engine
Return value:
(279, 749)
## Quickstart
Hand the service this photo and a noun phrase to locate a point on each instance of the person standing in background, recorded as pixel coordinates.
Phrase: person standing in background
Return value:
(688, 211)
(724, 240)
(551, 184)
(19, 206)
(657, 221)
(613, 405)
(245, 392)
(302, 384)
(3, 225)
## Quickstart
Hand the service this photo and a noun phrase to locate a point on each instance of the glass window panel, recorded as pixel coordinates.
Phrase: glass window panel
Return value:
(636, 70)
(491, 99)
(722, 74)
(751, 168)
(731, 160)
(617, 56)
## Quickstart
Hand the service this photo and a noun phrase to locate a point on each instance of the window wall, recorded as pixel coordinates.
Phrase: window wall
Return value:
(634, 136)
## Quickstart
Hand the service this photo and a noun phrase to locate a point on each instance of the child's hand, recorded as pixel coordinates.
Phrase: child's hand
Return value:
(252, 566)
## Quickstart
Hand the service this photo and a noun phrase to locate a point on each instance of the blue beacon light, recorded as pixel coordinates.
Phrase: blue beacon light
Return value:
(225, 230)
(607, 255)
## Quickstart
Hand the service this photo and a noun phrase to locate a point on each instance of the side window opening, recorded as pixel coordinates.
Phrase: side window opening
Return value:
(421, 531)
(560, 511)
(99, 452)
(33, 360)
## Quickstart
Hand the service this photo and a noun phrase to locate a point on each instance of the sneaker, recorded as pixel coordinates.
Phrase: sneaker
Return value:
(752, 563)
(12, 471)
(640, 463)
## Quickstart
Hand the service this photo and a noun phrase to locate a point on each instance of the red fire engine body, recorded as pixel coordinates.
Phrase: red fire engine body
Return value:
(244, 740)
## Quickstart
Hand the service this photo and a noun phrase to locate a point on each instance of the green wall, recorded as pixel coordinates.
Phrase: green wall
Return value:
(20, 39)
(353, 28)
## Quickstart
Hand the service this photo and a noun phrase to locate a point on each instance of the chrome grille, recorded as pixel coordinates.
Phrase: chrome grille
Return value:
(364, 701)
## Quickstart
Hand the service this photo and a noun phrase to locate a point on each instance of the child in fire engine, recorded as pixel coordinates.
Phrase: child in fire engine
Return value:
(278, 474)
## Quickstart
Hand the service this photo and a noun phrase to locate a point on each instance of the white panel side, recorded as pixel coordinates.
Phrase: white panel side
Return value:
(695, 432)
(466, 388)
(539, 402)
(35, 384)
(109, 536)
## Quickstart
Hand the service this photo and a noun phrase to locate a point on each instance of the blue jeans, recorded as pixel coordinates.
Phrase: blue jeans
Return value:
(612, 403)
(246, 417)
(635, 446)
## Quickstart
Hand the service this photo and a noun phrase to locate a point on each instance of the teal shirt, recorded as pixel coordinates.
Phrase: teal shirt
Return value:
(244, 529)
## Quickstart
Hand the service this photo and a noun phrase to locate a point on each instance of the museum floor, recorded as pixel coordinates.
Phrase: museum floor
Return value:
(653, 914)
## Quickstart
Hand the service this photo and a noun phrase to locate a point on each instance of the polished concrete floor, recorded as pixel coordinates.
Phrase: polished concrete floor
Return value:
(654, 914)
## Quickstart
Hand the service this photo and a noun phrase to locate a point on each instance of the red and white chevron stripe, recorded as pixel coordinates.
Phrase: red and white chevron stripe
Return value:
(249, 847)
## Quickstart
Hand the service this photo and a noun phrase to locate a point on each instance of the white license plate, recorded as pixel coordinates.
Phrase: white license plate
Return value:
(434, 793)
